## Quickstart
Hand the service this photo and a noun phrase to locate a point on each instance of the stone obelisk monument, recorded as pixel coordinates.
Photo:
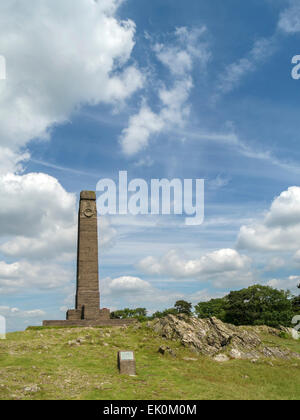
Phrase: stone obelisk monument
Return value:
(87, 310)
(87, 302)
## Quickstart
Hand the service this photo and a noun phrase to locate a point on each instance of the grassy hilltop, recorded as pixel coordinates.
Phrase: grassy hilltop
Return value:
(81, 363)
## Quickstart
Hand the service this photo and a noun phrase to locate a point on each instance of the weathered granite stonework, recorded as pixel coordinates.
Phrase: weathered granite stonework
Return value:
(87, 310)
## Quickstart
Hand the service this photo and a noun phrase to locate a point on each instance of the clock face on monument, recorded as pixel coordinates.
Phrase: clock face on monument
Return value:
(88, 212)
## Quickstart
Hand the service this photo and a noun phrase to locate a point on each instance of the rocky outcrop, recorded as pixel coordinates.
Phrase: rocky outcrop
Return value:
(214, 338)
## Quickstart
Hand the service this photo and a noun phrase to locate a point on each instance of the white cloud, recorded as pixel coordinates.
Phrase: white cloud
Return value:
(41, 218)
(7, 311)
(11, 161)
(17, 319)
(37, 212)
(124, 285)
(141, 126)
(59, 56)
(173, 264)
(58, 242)
(289, 283)
(289, 20)
(107, 234)
(297, 256)
(218, 182)
(275, 263)
(24, 276)
(174, 108)
(180, 56)
(136, 293)
(235, 72)
(280, 229)
(203, 296)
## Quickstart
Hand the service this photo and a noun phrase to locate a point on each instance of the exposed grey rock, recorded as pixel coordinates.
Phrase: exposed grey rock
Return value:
(213, 337)
(166, 349)
(221, 358)
(32, 389)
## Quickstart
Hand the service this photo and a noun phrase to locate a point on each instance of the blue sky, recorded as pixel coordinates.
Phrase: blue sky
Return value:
(161, 89)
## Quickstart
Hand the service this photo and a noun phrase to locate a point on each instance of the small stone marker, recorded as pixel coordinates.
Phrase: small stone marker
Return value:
(126, 363)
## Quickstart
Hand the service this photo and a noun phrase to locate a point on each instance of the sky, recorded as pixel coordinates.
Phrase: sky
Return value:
(160, 89)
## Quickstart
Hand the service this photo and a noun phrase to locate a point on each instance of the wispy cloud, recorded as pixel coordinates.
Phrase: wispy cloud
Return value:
(174, 107)
(235, 72)
(289, 20)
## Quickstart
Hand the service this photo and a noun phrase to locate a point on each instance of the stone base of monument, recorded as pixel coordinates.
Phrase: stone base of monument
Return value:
(97, 318)
(87, 313)
(89, 323)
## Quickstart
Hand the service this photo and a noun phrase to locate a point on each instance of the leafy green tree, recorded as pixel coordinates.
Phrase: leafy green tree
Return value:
(259, 305)
(183, 307)
(213, 308)
(138, 313)
(161, 314)
(296, 302)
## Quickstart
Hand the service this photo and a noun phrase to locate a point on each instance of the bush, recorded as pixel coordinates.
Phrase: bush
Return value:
(256, 305)
(259, 305)
(138, 313)
(183, 307)
(215, 307)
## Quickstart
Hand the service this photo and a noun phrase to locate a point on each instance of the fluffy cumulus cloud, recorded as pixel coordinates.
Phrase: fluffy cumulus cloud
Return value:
(38, 231)
(136, 292)
(37, 217)
(179, 58)
(126, 285)
(25, 276)
(173, 264)
(60, 55)
(33, 203)
(280, 229)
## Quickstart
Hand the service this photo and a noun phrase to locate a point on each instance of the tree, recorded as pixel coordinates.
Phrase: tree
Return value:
(138, 313)
(161, 314)
(183, 307)
(213, 308)
(259, 305)
(296, 302)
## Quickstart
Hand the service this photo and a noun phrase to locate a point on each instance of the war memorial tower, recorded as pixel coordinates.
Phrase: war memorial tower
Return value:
(87, 310)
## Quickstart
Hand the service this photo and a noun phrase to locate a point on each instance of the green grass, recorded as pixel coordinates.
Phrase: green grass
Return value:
(43, 357)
